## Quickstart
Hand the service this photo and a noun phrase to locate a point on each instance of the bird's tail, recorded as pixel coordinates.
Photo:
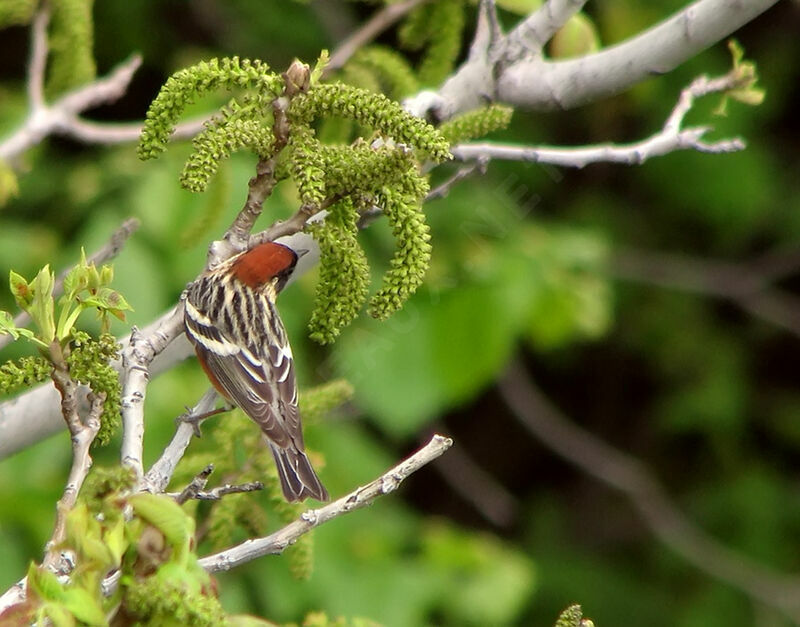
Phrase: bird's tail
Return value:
(298, 479)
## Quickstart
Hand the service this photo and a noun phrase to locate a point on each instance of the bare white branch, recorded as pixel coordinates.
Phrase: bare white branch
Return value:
(533, 82)
(547, 85)
(359, 498)
(136, 360)
(36, 415)
(630, 154)
(38, 61)
(15, 594)
(160, 473)
(670, 138)
(57, 117)
(104, 133)
(82, 434)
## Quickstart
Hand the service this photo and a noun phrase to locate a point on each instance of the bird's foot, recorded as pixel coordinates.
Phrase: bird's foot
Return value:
(195, 420)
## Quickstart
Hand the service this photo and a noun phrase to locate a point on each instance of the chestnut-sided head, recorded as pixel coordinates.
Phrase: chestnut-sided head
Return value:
(265, 263)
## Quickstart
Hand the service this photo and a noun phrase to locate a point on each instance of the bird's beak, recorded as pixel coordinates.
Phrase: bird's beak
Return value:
(300, 252)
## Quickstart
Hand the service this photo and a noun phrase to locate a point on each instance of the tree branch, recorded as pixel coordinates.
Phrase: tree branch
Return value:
(361, 497)
(35, 414)
(82, 435)
(160, 473)
(107, 133)
(136, 360)
(38, 60)
(627, 474)
(670, 138)
(58, 117)
(533, 82)
(237, 237)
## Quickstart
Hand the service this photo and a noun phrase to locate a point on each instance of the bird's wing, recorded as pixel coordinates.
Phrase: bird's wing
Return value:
(257, 376)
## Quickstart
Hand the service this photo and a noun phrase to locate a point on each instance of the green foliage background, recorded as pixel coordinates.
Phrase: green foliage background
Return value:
(522, 259)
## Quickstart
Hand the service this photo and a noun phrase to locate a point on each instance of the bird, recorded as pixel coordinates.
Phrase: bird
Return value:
(240, 341)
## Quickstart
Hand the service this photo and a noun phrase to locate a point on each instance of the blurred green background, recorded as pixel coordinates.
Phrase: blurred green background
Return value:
(527, 263)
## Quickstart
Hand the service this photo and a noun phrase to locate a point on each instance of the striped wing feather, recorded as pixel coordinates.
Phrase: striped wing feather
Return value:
(257, 376)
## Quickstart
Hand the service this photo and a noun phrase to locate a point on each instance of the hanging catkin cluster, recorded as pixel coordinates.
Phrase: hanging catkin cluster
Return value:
(381, 171)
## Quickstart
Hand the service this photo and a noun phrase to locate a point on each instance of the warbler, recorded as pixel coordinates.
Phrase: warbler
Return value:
(241, 343)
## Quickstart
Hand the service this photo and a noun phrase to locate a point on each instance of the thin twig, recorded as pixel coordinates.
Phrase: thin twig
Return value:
(82, 434)
(294, 224)
(443, 189)
(195, 491)
(15, 594)
(628, 475)
(629, 154)
(361, 497)
(378, 23)
(38, 59)
(195, 485)
(160, 473)
(237, 237)
(57, 117)
(670, 138)
(91, 132)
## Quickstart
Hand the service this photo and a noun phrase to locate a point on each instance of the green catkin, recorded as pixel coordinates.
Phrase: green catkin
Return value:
(412, 256)
(185, 86)
(23, 373)
(373, 110)
(217, 143)
(382, 171)
(389, 67)
(16, 12)
(89, 363)
(477, 123)
(444, 41)
(71, 39)
(153, 601)
(344, 273)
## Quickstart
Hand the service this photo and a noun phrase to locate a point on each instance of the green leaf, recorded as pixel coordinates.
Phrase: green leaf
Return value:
(115, 540)
(67, 320)
(55, 614)
(23, 294)
(42, 308)
(165, 515)
(44, 583)
(107, 299)
(84, 606)
(319, 67)
(746, 75)
(7, 326)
